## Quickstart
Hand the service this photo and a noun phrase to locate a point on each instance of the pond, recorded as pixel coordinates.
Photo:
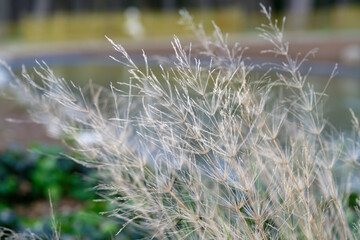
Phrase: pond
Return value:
(343, 91)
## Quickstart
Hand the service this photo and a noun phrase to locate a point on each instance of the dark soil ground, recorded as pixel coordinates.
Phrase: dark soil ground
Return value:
(16, 127)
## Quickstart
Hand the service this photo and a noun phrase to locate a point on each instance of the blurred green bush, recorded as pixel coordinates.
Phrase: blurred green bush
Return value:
(27, 178)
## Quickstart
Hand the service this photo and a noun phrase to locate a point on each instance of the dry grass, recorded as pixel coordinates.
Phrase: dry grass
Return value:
(208, 149)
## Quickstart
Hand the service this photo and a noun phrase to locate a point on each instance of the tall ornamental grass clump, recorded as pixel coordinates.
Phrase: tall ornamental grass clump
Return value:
(209, 149)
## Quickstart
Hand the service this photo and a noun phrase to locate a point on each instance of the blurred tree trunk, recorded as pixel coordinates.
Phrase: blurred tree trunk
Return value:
(204, 3)
(4, 17)
(79, 5)
(168, 4)
(300, 12)
(116, 4)
(254, 6)
(13, 12)
(4, 10)
(99, 5)
(41, 8)
(223, 3)
(343, 1)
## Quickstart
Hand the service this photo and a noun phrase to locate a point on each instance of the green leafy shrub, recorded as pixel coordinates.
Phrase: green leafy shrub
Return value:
(30, 175)
(27, 178)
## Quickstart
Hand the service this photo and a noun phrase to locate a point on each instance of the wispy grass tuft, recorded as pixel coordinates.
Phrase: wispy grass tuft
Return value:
(207, 149)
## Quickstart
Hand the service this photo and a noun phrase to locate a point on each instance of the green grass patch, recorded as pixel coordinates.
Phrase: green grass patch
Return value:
(63, 26)
(81, 26)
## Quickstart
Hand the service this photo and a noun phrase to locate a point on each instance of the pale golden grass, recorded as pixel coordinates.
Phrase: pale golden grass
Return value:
(209, 149)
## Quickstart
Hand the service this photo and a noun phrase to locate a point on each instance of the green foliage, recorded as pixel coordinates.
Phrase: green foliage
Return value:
(44, 168)
(26, 179)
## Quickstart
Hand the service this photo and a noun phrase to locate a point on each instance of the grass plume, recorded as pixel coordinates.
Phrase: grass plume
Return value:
(206, 149)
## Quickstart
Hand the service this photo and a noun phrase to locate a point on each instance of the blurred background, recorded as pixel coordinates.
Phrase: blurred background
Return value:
(70, 36)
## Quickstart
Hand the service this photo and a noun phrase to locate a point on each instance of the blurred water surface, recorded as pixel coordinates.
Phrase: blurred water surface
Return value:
(343, 91)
